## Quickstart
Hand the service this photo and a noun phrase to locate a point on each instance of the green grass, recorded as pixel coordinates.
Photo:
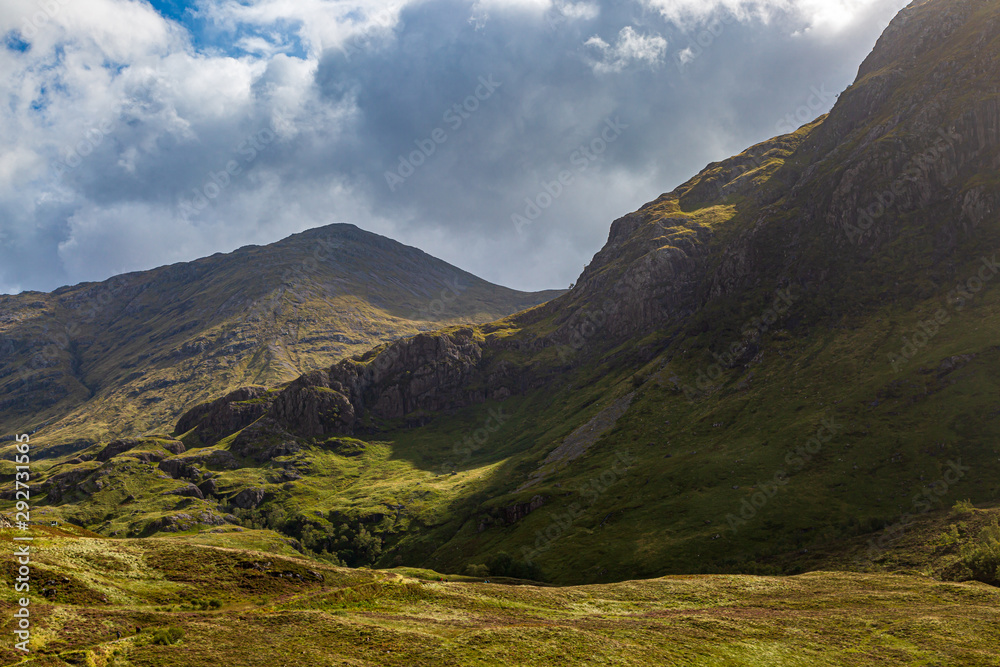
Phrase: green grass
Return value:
(273, 609)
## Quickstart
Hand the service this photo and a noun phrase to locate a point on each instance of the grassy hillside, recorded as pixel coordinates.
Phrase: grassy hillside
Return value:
(774, 356)
(184, 603)
(632, 476)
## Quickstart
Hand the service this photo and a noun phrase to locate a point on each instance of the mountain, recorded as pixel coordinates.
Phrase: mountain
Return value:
(795, 349)
(128, 355)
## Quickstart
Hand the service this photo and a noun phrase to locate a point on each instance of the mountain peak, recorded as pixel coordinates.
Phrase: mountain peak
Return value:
(164, 339)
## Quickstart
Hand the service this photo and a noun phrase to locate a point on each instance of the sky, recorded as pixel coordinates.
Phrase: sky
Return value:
(503, 136)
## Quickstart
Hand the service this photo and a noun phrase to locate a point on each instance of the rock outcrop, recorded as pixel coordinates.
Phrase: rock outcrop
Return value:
(222, 417)
(249, 499)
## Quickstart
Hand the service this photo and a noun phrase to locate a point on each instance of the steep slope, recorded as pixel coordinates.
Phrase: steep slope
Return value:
(797, 346)
(125, 356)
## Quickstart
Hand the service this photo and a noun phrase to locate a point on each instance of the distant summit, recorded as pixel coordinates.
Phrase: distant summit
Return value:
(127, 355)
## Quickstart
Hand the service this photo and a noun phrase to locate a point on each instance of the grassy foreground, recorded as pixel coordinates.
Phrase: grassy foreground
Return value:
(229, 604)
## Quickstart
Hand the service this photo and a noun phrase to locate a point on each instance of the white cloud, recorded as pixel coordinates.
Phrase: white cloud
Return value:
(320, 24)
(531, 6)
(630, 47)
(171, 112)
(121, 238)
(831, 15)
(580, 11)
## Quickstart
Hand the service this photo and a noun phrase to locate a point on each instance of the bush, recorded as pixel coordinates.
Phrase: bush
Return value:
(951, 536)
(478, 571)
(167, 636)
(963, 507)
(118, 659)
(982, 557)
(502, 564)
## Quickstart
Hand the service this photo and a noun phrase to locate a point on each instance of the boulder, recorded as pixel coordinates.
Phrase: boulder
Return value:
(187, 491)
(249, 499)
(115, 448)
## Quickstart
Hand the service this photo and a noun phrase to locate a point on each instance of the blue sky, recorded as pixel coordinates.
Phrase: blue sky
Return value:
(208, 36)
(441, 123)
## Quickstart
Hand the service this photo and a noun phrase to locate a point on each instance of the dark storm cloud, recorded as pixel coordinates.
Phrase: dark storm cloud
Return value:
(210, 153)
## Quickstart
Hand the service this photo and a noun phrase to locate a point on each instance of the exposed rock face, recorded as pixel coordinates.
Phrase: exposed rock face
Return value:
(119, 447)
(179, 469)
(217, 459)
(187, 491)
(115, 448)
(310, 408)
(645, 276)
(226, 415)
(148, 457)
(506, 516)
(59, 485)
(518, 511)
(175, 447)
(249, 499)
(429, 373)
(264, 440)
(178, 522)
(209, 487)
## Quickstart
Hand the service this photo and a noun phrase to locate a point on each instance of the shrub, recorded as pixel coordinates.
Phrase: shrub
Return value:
(951, 536)
(118, 659)
(982, 557)
(167, 636)
(963, 507)
(477, 571)
(502, 564)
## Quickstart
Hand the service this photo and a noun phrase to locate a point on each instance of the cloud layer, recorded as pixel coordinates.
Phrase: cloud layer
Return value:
(136, 135)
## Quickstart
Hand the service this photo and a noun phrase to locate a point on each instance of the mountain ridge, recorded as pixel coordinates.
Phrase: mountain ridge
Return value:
(267, 310)
(694, 391)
